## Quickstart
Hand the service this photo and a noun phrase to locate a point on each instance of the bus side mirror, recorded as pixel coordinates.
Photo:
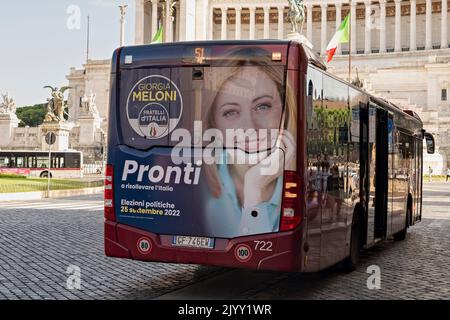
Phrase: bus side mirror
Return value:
(429, 139)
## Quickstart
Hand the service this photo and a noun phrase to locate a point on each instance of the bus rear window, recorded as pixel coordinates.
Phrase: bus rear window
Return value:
(189, 105)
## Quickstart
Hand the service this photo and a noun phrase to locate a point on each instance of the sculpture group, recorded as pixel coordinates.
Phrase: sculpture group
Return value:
(296, 15)
(7, 106)
(56, 105)
(88, 104)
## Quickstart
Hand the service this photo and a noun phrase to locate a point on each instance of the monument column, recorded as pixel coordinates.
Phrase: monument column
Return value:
(444, 40)
(223, 33)
(280, 22)
(338, 22)
(238, 22)
(412, 26)
(169, 23)
(210, 25)
(140, 23)
(154, 18)
(252, 23)
(367, 38)
(428, 26)
(398, 26)
(323, 28)
(309, 21)
(353, 25)
(266, 22)
(123, 11)
(382, 26)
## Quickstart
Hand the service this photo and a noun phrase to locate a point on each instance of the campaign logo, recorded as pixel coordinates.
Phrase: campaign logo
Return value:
(154, 121)
(154, 107)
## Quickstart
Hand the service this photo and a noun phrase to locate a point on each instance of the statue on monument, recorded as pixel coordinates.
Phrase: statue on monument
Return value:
(357, 82)
(7, 106)
(88, 104)
(296, 15)
(172, 10)
(56, 105)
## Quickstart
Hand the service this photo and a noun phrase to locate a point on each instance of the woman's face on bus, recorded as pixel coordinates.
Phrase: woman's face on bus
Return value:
(249, 100)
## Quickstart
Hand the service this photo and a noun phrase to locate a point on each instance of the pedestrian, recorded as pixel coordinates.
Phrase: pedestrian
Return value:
(430, 171)
(448, 174)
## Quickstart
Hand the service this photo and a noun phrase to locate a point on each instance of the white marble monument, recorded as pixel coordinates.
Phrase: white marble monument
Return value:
(401, 48)
(55, 121)
(89, 120)
(8, 118)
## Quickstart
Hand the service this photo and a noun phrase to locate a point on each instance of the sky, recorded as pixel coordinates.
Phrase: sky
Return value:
(41, 40)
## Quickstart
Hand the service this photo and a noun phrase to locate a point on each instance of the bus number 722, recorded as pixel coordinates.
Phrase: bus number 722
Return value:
(263, 246)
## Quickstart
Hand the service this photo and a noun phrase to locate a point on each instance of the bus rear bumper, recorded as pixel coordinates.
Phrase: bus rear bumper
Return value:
(277, 251)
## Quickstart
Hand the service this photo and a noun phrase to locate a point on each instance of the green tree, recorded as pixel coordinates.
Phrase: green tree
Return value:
(32, 116)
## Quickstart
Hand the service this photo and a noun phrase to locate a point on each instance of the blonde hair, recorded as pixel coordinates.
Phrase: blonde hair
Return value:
(218, 76)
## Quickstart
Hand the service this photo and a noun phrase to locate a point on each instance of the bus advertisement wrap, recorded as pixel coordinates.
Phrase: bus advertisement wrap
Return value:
(204, 157)
(17, 171)
(250, 154)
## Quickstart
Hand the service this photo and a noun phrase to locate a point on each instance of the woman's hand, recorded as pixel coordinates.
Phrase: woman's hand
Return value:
(259, 177)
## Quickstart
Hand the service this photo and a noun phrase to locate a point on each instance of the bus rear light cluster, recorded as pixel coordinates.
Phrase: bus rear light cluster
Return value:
(109, 193)
(290, 217)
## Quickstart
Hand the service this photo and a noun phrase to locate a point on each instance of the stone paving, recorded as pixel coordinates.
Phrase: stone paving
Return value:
(37, 247)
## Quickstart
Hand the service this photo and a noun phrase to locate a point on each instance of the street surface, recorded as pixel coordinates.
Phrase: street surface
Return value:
(40, 239)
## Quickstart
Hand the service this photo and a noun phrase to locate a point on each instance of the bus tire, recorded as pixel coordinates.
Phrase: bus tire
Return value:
(351, 262)
(401, 235)
(45, 174)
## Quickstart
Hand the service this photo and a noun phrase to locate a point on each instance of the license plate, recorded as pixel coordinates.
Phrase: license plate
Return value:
(193, 242)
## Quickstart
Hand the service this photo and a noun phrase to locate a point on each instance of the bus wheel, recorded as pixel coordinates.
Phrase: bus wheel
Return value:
(45, 174)
(400, 236)
(351, 262)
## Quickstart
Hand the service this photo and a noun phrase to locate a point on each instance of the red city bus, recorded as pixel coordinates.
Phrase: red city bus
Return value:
(250, 154)
(64, 164)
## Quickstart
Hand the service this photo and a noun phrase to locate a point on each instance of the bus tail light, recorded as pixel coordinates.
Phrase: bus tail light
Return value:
(290, 213)
(109, 193)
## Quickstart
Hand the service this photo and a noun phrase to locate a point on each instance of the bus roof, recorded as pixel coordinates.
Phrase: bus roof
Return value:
(182, 53)
(38, 151)
(191, 53)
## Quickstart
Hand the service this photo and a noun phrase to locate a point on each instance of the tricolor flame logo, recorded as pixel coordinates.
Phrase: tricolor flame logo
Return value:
(152, 132)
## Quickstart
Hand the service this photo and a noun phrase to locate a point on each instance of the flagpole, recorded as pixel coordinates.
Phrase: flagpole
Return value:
(350, 43)
(88, 38)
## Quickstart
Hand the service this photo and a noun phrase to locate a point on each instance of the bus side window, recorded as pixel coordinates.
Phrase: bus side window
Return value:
(42, 162)
(20, 162)
(336, 116)
(4, 162)
(309, 102)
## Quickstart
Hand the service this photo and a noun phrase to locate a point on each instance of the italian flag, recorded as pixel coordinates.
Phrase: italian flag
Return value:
(341, 36)
(158, 38)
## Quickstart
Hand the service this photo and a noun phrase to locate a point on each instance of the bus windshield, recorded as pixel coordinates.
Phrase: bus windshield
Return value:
(203, 148)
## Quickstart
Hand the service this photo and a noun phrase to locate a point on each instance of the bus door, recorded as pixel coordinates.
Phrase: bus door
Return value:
(381, 172)
(419, 177)
(364, 169)
(374, 155)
